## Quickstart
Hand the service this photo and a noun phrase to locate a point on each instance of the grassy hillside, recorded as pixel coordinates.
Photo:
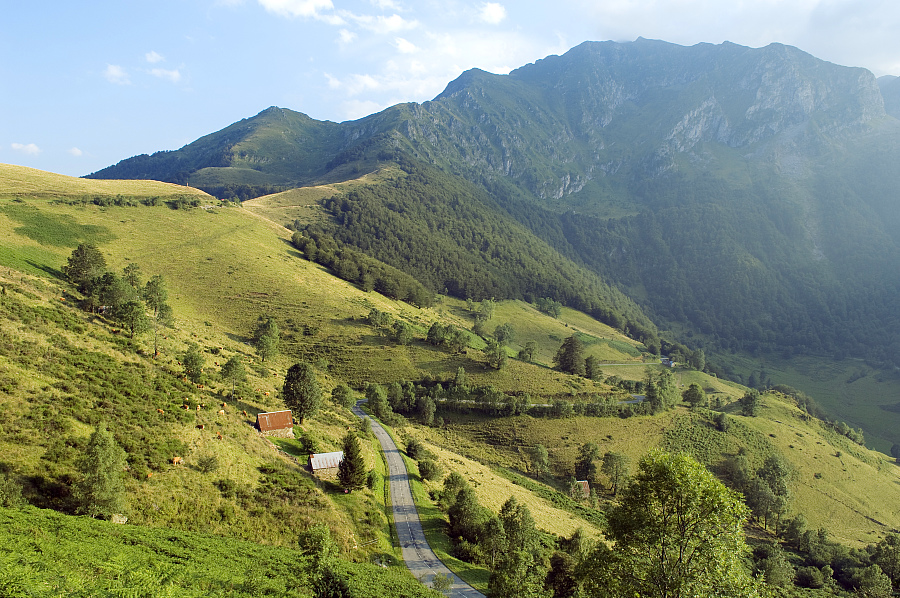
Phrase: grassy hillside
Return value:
(18, 181)
(62, 371)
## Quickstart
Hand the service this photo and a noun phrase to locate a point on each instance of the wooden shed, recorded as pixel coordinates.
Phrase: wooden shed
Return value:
(275, 423)
(584, 487)
(322, 462)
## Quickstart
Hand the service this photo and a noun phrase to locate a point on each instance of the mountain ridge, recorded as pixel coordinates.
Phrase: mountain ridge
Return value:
(775, 165)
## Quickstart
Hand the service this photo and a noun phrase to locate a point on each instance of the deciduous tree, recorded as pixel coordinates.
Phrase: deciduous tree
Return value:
(192, 360)
(585, 468)
(85, 264)
(301, 392)
(234, 371)
(101, 491)
(615, 468)
(266, 338)
(695, 396)
(677, 532)
(570, 356)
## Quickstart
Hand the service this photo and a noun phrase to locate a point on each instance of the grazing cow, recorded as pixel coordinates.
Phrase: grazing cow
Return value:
(185, 407)
(244, 413)
(160, 411)
(201, 426)
(177, 461)
(219, 435)
(221, 412)
(267, 393)
(149, 474)
(224, 405)
(198, 407)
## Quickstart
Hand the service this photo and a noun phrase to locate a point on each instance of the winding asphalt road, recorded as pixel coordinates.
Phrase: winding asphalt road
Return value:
(417, 554)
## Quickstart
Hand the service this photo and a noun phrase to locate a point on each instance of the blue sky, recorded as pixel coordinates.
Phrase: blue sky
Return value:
(86, 84)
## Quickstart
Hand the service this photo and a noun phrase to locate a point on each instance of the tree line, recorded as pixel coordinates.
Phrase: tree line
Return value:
(449, 237)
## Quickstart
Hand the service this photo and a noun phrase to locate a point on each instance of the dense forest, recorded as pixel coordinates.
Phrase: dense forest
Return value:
(443, 232)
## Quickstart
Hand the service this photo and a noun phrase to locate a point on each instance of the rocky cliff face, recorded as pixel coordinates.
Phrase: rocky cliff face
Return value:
(565, 120)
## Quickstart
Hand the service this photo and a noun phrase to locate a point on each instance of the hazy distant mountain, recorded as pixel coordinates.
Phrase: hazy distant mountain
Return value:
(746, 196)
(890, 90)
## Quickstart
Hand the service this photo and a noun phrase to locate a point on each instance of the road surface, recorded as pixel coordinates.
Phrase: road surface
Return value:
(417, 554)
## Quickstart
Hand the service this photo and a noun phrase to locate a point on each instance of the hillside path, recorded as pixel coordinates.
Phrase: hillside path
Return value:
(417, 554)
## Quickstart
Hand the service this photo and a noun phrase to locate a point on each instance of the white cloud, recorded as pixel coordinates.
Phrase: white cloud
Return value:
(26, 148)
(385, 4)
(382, 24)
(346, 36)
(354, 109)
(173, 75)
(75, 151)
(153, 57)
(116, 74)
(492, 13)
(405, 46)
(297, 8)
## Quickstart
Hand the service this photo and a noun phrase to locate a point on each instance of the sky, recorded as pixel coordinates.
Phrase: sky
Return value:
(86, 84)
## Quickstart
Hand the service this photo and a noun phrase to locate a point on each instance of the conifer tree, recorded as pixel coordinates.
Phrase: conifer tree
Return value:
(352, 469)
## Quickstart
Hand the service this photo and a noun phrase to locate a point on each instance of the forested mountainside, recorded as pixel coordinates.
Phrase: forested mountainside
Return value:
(744, 197)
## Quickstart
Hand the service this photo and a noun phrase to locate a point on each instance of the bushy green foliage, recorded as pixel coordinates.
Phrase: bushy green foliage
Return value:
(484, 255)
(85, 264)
(266, 337)
(301, 391)
(45, 555)
(101, 491)
(343, 395)
(193, 361)
(677, 531)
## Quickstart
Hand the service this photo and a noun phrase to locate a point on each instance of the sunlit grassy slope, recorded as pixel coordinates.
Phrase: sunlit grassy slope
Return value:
(23, 181)
(226, 266)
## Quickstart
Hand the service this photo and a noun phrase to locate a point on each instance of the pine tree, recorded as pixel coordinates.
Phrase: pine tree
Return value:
(101, 491)
(352, 470)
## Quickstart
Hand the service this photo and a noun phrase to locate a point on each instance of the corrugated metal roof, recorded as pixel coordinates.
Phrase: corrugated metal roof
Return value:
(325, 460)
(274, 420)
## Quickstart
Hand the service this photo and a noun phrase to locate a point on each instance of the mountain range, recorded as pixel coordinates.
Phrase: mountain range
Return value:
(744, 199)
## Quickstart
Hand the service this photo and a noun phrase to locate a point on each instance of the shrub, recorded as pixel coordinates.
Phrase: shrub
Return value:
(429, 470)
(207, 463)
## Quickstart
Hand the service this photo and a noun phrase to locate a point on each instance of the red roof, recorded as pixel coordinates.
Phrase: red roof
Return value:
(274, 420)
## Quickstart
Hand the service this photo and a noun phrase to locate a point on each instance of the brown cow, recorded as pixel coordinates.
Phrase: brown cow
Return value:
(201, 426)
(219, 435)
(224, 405)
(177, 461)
(160, 411)
(221, 412)
(244, 413)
